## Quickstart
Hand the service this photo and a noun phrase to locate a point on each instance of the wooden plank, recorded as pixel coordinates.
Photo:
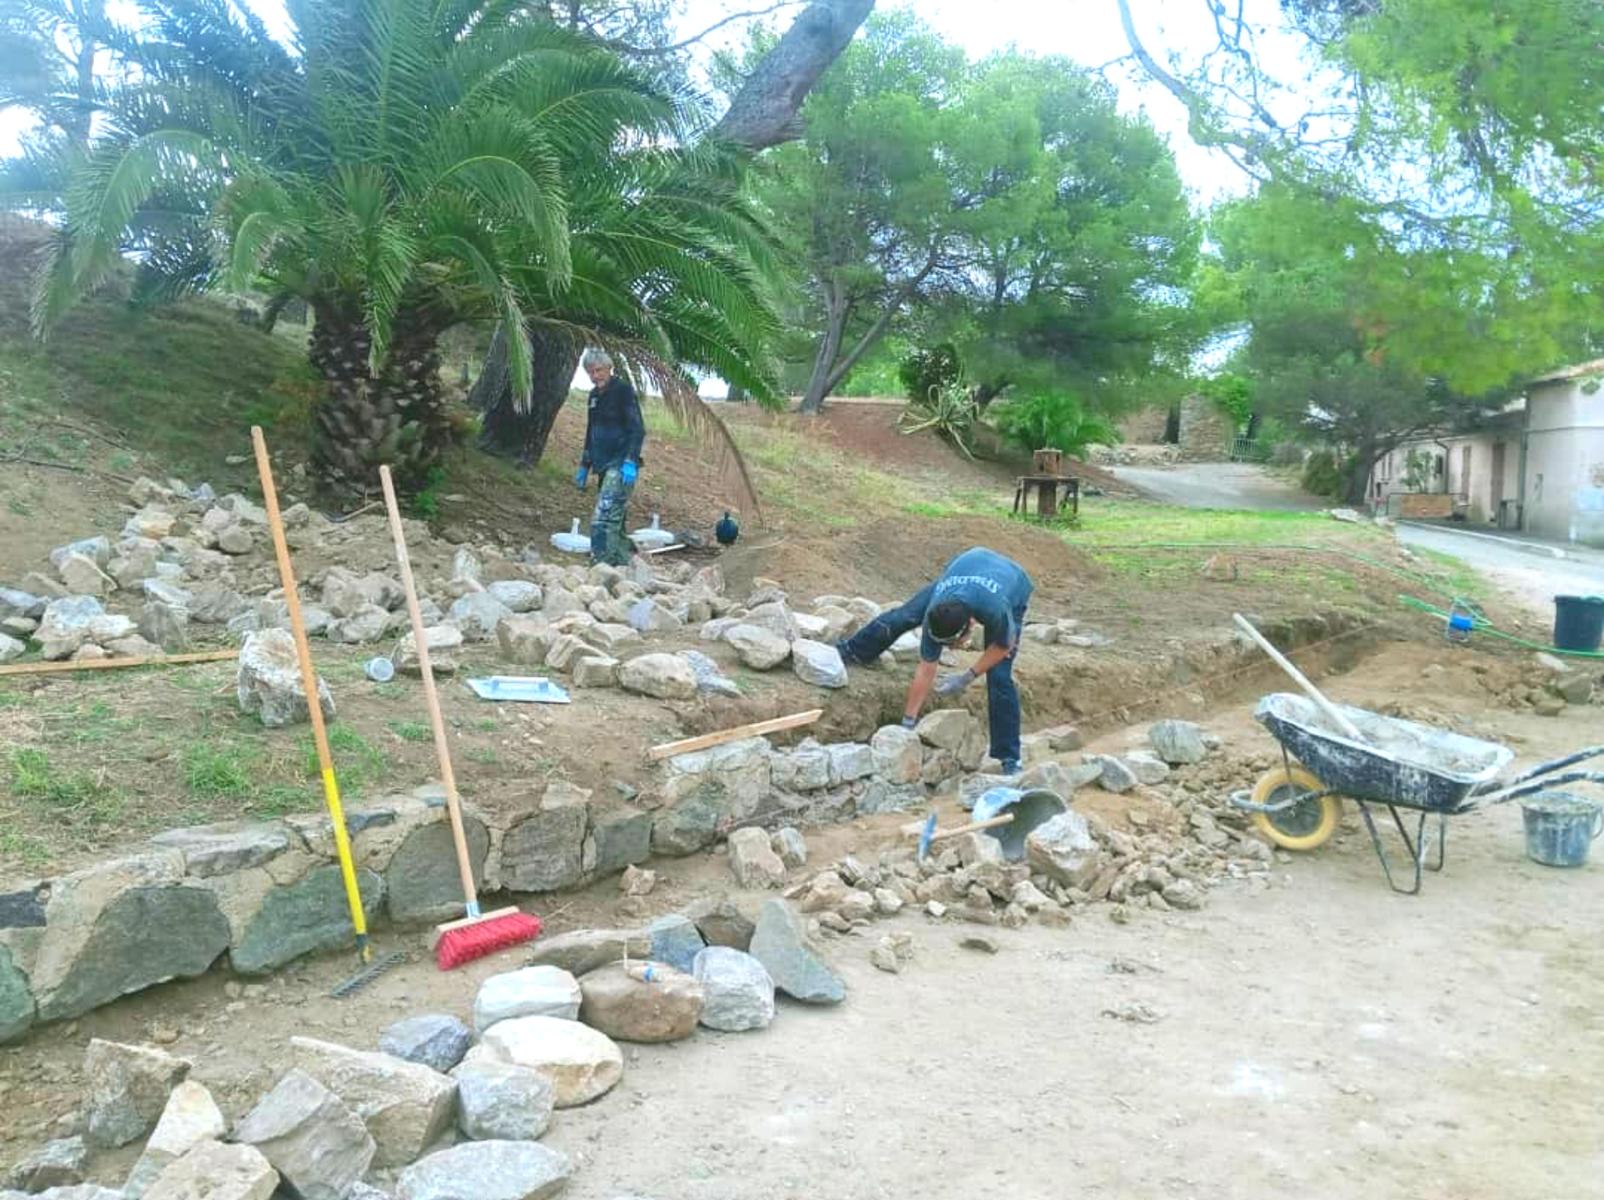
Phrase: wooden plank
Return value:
(665, 549)
(754, 729)
(111, 664)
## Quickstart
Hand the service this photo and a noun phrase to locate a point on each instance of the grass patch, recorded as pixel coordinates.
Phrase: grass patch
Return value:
(217, 770)
(75, 796)
(358, 764)
(24, 848)
(1116, 521)
(410, 731)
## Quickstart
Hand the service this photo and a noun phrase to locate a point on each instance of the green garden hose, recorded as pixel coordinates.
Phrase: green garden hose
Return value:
(1483, 625)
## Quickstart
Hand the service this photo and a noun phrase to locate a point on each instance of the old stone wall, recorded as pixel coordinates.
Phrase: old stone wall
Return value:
(1206, 431)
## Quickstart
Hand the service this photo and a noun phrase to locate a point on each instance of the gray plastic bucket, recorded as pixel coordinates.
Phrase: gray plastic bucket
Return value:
(1560, 828)
(1030, 809)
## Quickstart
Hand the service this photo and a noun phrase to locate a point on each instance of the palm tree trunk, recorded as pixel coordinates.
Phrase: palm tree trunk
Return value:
(396, 417)
(523, 434)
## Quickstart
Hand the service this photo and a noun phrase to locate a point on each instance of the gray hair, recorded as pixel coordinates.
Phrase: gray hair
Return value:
(597, 358)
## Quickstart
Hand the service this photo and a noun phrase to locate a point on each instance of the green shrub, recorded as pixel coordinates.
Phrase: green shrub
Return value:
(1053, 420)
(929, 367)
(1324, 475)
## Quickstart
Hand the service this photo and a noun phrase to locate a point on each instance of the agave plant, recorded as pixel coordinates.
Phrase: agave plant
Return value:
(949, 409)
(401, 171)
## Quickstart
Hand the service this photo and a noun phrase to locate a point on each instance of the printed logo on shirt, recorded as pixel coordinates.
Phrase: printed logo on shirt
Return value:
(985, 581)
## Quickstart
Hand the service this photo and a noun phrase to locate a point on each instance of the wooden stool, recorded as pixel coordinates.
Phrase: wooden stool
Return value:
(1045, 488)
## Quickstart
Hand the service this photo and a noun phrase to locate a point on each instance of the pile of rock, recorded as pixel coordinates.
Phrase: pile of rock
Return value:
(1543, 683)
(441, 1110)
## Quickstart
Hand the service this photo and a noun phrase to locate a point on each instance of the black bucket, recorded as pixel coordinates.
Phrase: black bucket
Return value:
(1578, 622)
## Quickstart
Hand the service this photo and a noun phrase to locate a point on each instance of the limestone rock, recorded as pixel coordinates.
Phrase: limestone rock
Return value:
(1064, 850)
(214, 604)
(1148, 768)
(11, 649)
(709, 677)
(675, 940)
(190, 1118)
(65, 625)
(236, 539)
(775, 617)
(546, 851)
(56, 1164)
(956, 731)
(301, 918)
(269, 680)
(499, 1100)
(804, 769)
(818, 664)
(442, 642)
(581, 1063)
(665, 1008)
(791, 846)
(898, 754)
(753, 861)
(519, 595)
(849, 761)
(583, 950)
(620, 835)
(524, 639)
(405, 1106)
(610, 638)
(1114, 775)
(421, 881)
(595, 671)
(758, 648)
(434, 1040)
(128, 1088)
(317, 1145)
(780, 944)
(14, 602)
(543, 991)
(489, 1170)
(83, 577)
(214, 1171)
(165, 625)
(663, 676)
(649, 616)
(738, 993)
(477, 615)
(1178, 742)
(367, 624)
(720, 922)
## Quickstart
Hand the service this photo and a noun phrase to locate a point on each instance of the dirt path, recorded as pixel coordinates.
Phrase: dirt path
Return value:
(1315, 1035)
(1217, 485)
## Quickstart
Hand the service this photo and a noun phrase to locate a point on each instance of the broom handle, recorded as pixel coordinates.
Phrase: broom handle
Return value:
(314, 705)
(442, 749)
(1298, 677)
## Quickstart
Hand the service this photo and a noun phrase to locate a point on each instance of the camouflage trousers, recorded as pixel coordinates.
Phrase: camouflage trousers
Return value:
(608, 544)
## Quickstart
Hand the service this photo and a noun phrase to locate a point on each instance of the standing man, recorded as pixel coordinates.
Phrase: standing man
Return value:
(614, 432)
(979, 585)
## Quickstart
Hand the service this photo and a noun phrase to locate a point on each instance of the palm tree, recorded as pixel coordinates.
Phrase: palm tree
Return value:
(401, 171)
(671, 268)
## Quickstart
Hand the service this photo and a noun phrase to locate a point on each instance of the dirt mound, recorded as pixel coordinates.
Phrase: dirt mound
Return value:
(892, 558)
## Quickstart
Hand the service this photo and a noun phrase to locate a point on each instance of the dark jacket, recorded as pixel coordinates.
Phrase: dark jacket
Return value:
(614, 430)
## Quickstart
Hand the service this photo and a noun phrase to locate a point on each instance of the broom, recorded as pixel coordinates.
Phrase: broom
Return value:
(476, 934)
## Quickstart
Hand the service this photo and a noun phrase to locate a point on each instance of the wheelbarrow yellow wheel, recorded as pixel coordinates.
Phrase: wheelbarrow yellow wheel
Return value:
(1304, 825)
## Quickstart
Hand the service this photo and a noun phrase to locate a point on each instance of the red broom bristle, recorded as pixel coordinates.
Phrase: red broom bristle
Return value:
(457, 946)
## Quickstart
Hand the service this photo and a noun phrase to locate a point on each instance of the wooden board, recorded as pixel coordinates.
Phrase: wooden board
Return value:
(754, 729)
(111, 664)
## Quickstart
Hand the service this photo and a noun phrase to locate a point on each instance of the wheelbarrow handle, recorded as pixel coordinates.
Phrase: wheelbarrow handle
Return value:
(1532, 786)
(1546, 768)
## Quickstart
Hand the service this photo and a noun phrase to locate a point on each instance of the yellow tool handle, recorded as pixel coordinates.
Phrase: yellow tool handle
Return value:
(303, 654)
(442, 748)
(973, 827)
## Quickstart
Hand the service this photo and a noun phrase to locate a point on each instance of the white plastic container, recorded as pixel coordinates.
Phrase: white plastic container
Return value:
(572, 542)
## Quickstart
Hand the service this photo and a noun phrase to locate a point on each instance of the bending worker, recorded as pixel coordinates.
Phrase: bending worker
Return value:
(614, 433)
(979, 585)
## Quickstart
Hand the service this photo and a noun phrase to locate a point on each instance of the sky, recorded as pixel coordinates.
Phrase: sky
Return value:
(1085, 31)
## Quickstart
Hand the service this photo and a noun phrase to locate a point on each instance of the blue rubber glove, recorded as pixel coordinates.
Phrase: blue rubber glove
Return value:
(628, 473)
(581, 476)
(951, 685)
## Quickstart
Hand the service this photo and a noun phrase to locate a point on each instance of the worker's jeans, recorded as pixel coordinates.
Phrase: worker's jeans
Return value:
(607, 541)
(1002, 697)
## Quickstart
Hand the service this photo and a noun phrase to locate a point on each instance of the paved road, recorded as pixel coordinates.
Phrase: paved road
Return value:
(1217, 485)
(1535, 578)
(1526, 572)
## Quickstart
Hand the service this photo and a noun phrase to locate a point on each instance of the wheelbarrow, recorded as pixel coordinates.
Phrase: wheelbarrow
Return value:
(1402, 766)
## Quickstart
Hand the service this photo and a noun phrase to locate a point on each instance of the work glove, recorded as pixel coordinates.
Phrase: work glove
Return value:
(581, 476)
(628, 473)
(951, 685)
(909, 722)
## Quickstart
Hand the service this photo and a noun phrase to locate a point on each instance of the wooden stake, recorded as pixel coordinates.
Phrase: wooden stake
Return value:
(111, 664)
(756, 728)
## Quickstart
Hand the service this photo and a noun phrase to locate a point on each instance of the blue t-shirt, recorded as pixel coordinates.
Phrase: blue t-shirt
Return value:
(991, 587)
